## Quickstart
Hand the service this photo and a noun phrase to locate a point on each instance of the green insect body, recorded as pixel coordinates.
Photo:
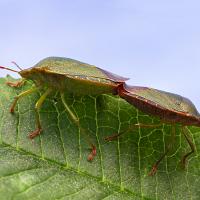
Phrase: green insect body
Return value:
(170, 108)
(66, 75)
(167, 106)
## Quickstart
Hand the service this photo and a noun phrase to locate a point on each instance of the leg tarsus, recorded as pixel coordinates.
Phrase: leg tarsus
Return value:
(12, 108)
(93, 153)
(35, 133)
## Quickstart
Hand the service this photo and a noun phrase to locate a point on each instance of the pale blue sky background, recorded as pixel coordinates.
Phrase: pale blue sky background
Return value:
(156, 43)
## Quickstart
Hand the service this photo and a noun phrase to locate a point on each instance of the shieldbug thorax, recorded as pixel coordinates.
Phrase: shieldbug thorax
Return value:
(170, 108)
(64, 74)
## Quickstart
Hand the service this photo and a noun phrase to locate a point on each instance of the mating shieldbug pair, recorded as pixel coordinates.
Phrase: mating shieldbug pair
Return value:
(84, 79)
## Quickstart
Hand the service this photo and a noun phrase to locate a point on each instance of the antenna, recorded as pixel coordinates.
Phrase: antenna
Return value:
(16, 65)
(6, 68)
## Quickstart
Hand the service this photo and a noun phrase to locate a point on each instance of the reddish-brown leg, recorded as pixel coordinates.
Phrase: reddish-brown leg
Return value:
(83, 131)
(93, 153)
(35, 133)
(115, 136)
(12, 108)
(169, 147)
(191, 144)
(17, 84)
(37, 109)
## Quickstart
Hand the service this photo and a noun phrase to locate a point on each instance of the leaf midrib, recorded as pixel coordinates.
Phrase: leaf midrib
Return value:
(63, 167)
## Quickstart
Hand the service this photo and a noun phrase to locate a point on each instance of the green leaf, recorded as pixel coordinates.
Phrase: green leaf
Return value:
(54, 165)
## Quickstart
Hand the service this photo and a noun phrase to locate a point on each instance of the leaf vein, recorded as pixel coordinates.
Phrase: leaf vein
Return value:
(83, 173)
(35, 185)
(98, 142)
(60, 135)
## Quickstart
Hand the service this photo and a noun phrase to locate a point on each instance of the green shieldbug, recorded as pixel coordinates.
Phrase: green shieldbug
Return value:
(64, 74)
(170, 108)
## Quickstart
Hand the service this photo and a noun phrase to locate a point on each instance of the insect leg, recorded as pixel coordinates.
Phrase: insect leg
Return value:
(168, 148)
(17, 84)
(83, 131)
(37, 108)
(114, 137)
(12, 108)
(192, 146)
